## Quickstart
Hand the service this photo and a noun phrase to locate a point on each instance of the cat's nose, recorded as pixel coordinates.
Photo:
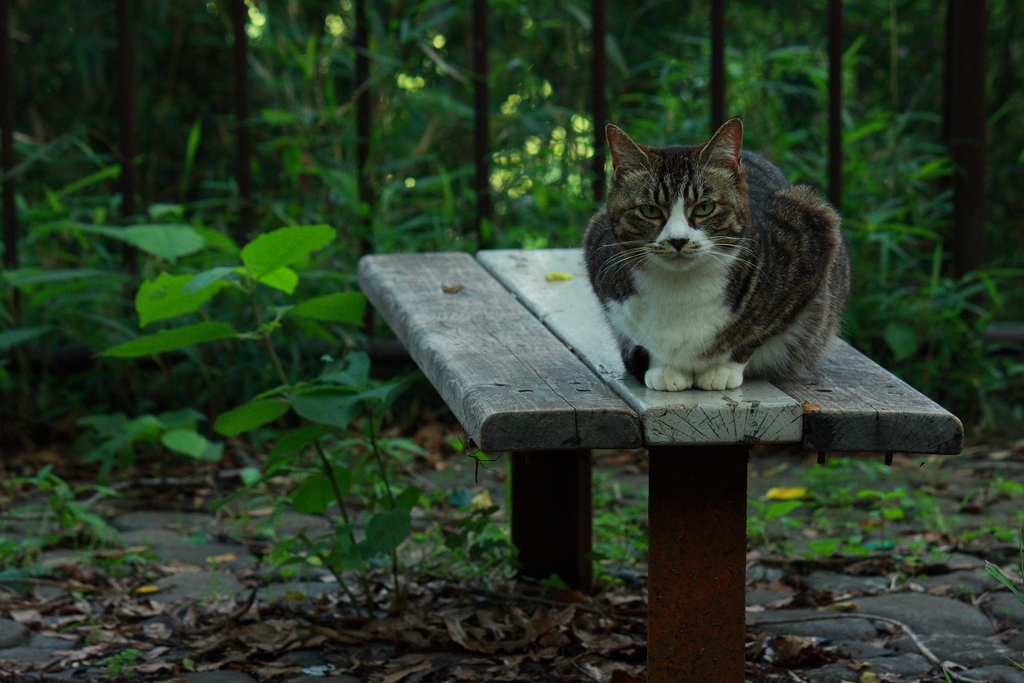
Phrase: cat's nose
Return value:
(678, 243)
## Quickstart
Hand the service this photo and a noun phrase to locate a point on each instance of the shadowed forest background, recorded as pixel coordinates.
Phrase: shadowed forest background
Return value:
(72, 290)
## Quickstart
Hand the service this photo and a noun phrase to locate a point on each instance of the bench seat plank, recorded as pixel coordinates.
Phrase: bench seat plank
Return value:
(508, 380)
(847, 403)
(755, 413)
(864, 407)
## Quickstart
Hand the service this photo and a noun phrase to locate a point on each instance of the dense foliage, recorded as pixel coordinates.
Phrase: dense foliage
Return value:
(906, 312)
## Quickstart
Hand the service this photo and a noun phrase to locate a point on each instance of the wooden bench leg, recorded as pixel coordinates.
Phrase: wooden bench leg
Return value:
(697, 574)
(551, 515)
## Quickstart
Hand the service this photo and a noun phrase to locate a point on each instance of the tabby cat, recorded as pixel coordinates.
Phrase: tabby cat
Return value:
(709, 265)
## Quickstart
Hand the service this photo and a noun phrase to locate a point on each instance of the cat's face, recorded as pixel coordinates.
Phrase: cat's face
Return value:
(676, 207)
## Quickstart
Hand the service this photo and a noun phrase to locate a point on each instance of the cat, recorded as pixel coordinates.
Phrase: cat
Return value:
(710, 266)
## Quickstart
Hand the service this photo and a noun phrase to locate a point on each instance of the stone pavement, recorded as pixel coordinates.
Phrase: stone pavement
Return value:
(953, 606)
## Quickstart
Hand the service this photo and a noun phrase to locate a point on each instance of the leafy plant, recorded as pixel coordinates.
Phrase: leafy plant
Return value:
(343, 393)
(122, 665)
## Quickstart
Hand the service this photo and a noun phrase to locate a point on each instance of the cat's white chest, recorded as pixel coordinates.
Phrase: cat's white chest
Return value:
(675, 316)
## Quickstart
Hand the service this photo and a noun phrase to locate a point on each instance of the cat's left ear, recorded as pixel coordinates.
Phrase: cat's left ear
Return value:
(726, 145)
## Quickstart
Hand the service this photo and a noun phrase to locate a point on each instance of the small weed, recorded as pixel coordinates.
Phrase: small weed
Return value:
(122, 665)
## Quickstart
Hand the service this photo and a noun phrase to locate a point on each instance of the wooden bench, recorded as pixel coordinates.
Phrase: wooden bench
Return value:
(528, 365)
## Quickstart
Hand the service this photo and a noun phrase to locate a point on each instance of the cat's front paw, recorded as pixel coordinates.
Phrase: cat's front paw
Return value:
(720, 377)
(668, 379)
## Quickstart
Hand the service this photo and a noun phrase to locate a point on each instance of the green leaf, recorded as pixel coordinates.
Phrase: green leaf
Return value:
(342, 307)
(168, 241)
(284, 247)
(1003, 579)
(380, 398)
(315, 493)
(20, 335)
(186, 417)
(283, 278)
(296, 439)
(353, 370)
(250, 415)
(328, 408)
(170, 340)
(164, 298)
(207, 278)
(902, 339)
(187, 442)
(408, 498)
(385, 532)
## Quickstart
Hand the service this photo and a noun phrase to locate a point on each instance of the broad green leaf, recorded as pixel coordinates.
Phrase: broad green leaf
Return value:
(408, 498)
(353, 370)
(207, 278)
(168, 242)
(328, 408)
(284, 247)
(186, 441)
(20, 335)
(250, 415)
(283, 278)
(164, 298)
(315, 493)
(186, 417)
(385, 532)
(342, 307)
(902, 339)
(171, 340)
(296, 439)
(380, 398)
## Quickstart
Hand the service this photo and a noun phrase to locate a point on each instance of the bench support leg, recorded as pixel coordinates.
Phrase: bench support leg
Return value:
(697, 572)
(551, 515)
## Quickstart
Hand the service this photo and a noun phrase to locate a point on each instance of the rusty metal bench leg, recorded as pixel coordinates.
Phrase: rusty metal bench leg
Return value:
(697, 516)
(551, 515)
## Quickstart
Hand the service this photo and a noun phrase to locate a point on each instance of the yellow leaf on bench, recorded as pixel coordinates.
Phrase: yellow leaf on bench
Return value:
(555, 276)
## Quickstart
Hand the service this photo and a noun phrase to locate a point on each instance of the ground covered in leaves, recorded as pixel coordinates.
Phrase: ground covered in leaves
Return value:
(187, 595)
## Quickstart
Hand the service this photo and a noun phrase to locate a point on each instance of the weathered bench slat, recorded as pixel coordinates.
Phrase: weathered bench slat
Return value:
(755, 413)
(509, 381)
(867, 408)
(848, 403)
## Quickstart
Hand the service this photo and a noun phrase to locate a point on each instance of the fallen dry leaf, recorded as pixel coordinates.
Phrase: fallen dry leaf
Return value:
(810, 407)
(452, 289)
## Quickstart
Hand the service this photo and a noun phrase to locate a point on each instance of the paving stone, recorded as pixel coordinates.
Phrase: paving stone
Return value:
(759, 573)
(845, 583)
(342, 678)
(1005, 608)
(763, 596)
(858, 649)
(903, 665)
(959, 582)
(198, 554)
(28, 655)
(1016, 643)
(13, 633)
(150, 537)
(291, 523)
(306, 589)
(182, 522)
(971, 651)
(928, 614)
(303, 658)
(196, 585)
(837, 628)
(995, 674)
(220, 677)
(38, 640)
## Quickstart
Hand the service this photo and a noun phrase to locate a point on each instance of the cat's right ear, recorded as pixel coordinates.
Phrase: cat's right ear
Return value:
(627, 155)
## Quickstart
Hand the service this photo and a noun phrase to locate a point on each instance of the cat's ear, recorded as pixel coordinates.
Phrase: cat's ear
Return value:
(725, 146)
(626, 154)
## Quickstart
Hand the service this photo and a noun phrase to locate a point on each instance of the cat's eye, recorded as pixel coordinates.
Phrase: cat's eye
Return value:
(704, 209)
(650, 211)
